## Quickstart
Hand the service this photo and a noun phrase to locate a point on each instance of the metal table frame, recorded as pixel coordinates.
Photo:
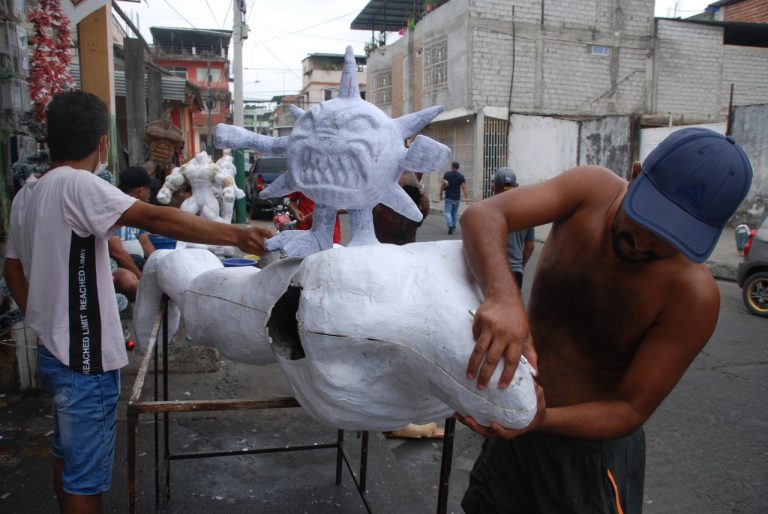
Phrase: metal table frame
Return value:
(164, 407)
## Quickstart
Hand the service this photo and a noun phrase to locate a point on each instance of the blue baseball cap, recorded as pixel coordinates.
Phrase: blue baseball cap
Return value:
(689, 186)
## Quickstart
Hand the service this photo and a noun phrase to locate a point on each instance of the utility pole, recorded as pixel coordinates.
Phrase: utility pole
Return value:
(209, 104)
(240, 32)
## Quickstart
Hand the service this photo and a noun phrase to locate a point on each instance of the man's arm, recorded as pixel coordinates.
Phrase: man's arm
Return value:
(442, 186)
(124, 260)
(527, 252)
(180, 225)
(528, 245)
(146, 244)
(465, 190)
(17, 282)
(664, 355)
(293, 204)
(501, 325)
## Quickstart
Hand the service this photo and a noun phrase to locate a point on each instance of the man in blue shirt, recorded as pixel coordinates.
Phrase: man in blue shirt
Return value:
(452, 185)
(519, 243)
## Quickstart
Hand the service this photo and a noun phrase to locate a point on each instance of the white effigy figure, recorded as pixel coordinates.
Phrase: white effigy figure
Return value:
(225, 189)
(343, 153)
(213, 191)
(360, 350)
(200, 173)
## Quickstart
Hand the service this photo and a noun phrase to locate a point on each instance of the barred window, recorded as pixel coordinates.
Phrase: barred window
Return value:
(436, 66)
(382, 88)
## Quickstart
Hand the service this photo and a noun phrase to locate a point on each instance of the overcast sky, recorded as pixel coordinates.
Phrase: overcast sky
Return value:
(283, 32)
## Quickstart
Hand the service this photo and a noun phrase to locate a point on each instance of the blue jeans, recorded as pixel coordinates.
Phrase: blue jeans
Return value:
(84, 422)
(451, 212)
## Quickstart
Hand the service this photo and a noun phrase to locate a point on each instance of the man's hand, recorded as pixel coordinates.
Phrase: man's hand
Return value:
(496, 430)
(500, 330)
(251, 240)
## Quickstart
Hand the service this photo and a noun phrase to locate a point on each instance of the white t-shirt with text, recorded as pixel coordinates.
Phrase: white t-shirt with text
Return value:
(59, 227)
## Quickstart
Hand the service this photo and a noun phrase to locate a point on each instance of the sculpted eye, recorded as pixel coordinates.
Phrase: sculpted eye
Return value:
(306, 122)
(356, 122)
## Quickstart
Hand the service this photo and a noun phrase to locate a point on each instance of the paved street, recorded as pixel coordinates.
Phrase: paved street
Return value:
(707, 444)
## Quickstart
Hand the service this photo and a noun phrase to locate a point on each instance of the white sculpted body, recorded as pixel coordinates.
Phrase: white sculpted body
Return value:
(360, 350)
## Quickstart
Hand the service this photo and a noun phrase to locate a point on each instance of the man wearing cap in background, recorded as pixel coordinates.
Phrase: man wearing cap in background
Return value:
(620, 307)
(130, 247)
(520, 242)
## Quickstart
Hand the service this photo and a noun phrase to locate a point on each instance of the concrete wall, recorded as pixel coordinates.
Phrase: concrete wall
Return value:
(651, 137)
(750, 129)
(607, 142)
(571, 57)
(694, 71)
(542, 147)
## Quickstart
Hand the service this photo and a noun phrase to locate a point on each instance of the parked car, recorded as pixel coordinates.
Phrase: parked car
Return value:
(262, 173)
(752, 274)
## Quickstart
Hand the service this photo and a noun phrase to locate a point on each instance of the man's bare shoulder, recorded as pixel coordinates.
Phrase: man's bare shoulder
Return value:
(595, 176)
(695, 280)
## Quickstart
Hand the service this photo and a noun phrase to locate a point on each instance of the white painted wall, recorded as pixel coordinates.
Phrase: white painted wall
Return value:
(651, 137)
(541, 148)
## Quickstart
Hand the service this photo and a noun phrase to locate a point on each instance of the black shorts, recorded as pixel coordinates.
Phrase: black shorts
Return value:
(541, 473)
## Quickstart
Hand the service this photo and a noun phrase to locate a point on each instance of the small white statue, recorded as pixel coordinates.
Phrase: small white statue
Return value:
(225, 188)
(343, 153)
(213, 191)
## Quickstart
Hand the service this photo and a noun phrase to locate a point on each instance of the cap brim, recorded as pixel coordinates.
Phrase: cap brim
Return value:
(655, 212)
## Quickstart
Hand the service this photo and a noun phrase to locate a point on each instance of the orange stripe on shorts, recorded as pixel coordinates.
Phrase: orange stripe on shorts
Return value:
(615, 491)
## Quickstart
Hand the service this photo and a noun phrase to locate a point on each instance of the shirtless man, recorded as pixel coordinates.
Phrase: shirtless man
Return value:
(619, 309)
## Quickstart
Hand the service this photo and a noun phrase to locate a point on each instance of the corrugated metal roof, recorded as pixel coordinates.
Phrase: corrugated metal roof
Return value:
(390, 15)
(174, 88)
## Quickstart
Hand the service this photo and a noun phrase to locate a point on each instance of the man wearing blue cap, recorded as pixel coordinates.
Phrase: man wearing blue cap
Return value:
(620, 307)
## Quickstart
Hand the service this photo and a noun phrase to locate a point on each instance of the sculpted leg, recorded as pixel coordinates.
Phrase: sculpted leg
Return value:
(169, 272)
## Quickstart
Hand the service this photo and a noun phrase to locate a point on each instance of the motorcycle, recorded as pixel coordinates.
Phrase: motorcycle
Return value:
(283, 219)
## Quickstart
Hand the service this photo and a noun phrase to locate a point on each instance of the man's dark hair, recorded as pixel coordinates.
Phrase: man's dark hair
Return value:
(76, 122)
(455, 165)
(133, 177)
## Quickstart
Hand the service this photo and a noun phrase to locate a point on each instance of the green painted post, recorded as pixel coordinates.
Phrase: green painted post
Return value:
(240, 181)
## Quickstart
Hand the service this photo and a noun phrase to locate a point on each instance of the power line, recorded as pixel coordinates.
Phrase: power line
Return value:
(311, 26)
(181, 15)
(214, 16)
(275, 56)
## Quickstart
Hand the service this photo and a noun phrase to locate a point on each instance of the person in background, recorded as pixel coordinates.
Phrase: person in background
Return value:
(130, 246)
(57, 268)
(520, 243)
(621, 305)
(452, 185)
(391, 226)
(302, 208)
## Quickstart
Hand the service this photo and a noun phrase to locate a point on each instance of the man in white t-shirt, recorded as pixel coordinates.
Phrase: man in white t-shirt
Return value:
(57, 268)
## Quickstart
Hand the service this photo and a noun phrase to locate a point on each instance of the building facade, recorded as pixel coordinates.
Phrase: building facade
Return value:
(544, 86)
(321, 74)
(201, 57)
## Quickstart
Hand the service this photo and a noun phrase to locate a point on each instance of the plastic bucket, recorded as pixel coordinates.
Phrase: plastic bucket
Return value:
(236, 262)
(162, 242)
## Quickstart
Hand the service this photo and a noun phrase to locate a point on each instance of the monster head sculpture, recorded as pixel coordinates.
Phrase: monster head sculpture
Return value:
(344, 153)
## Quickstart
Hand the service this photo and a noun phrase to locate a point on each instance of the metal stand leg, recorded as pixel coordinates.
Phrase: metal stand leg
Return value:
(445, 465)
(133, 453)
